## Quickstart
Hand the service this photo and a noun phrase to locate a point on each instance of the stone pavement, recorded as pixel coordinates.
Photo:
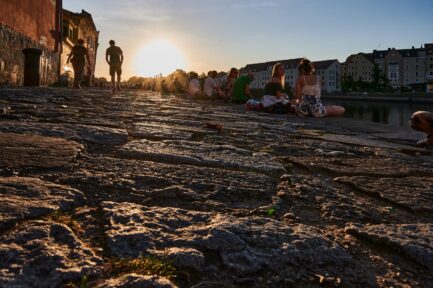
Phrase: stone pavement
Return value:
(140, 189)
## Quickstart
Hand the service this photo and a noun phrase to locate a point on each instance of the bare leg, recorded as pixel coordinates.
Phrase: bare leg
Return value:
(118, 82)
(334, 111)
(113, 82)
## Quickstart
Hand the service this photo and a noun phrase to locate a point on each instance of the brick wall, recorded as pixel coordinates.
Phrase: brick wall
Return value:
(34, 18)
(12, 59)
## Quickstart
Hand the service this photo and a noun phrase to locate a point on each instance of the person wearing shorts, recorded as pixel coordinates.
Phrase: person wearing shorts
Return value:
(114, 58)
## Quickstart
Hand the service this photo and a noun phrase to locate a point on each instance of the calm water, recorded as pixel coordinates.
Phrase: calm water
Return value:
(396, 114)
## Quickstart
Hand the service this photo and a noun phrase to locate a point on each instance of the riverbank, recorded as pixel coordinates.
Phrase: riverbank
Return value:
(149, 190)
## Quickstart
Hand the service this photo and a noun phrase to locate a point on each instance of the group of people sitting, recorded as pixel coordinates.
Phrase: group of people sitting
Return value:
(306, 100)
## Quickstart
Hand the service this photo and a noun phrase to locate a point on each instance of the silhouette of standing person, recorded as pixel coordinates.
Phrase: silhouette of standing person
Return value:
(114, 58)
(79, 53)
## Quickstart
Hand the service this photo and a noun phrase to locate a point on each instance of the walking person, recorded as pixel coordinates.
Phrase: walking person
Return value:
(114, 58)
(77, 57)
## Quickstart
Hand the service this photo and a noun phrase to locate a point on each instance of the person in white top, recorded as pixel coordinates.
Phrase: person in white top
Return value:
(194, 88)
(307, 94)
(211, 88)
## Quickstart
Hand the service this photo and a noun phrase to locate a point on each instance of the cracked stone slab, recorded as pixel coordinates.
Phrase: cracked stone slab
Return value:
(370, 142)
(414, 193)
(136, 281)
(413, 240)
(244, 245)
(372, 166)
(77, 132)
(23, 198)
(36, 151)
(182, 186)
(154, 131)
(202, 154)
(44, 254)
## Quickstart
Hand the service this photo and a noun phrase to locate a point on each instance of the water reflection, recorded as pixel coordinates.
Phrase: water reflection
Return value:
(396, 114)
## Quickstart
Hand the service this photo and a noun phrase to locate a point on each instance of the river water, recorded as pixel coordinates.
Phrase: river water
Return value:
(396, 114)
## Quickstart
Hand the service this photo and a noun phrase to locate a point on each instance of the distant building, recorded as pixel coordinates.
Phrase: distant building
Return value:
(358, 67)
(78, 26)
(402, 67)
(29, 24)
(328, 70)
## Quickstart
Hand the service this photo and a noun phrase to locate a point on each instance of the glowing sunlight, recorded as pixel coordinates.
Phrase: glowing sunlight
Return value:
(159, 56)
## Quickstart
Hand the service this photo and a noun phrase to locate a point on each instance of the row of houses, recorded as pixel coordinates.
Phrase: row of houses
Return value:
(403, 68)
(45, 25)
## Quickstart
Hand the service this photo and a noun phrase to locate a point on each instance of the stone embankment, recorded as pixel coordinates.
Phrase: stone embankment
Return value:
(139, 189)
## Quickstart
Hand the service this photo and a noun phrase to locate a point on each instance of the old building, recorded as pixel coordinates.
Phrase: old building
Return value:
(78, 26)
(329, 72)
(29, 24)
(359, 67)
(402, 67)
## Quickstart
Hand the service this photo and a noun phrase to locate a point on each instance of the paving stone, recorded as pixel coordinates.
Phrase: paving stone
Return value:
(81, 133)
(23, 198)
(36, 151)
(363, 141)
(44, 254)
(159, 131)
(245, 245)
(136, 281)
(412, 240)
(414, 193)
(202, 154)
(362, 166)
(181, 186)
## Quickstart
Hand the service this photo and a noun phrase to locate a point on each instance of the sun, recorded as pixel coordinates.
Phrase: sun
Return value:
(158, 57)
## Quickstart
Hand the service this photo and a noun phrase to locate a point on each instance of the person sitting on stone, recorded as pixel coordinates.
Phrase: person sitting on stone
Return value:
(423, 121)
(194, 87)
(227, 85)
(79, 54)
(211, 88)
(275, 100)
(241, 89)
(307, 94)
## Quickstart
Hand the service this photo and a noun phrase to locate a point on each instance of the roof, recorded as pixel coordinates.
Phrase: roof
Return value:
(83, 15)
(321, 65)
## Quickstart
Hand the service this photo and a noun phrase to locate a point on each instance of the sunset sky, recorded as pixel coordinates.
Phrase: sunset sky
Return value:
(201, 35)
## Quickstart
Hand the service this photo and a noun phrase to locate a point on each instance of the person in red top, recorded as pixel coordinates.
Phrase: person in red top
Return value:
(79, 53)
(114, 58)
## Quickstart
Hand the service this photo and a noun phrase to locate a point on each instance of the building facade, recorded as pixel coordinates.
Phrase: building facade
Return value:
(359, 67)
(402, 67)
(78, 26)
(29, 24)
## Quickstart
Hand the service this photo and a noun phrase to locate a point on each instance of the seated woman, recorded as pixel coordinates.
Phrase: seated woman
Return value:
(227, 86)
(211, 88)
(274, 100)
(194, 88)
(308, 91)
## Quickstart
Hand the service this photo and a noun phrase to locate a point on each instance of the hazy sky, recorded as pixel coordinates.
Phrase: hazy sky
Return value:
(220, 34)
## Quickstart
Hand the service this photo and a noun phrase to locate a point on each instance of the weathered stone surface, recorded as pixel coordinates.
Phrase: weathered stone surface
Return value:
(414, 193)
(36, 151)
(77, 132)
(413, 240)
(201, 154)
(22, 198)
(137, 281)
(245, 245)
(154, 131)
(363, 141)
(44, 254)
(352, 166)
(188, 187)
